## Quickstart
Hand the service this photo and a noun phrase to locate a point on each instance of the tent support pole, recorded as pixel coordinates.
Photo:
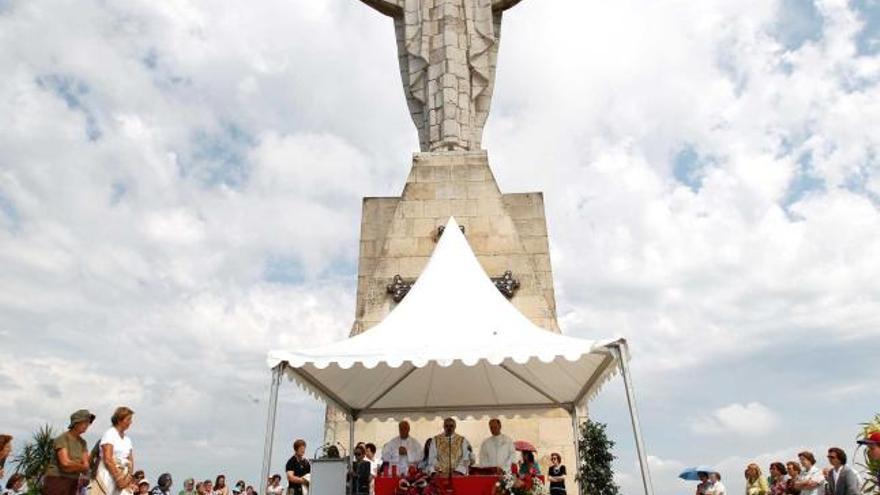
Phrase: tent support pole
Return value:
(351, 420)
(576, 434)
(621, 352)
(272, 408)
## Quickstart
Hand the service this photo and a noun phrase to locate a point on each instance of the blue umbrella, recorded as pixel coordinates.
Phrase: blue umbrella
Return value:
(692, 474)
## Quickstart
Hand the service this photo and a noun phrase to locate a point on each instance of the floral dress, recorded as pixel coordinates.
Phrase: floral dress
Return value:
(780, 486)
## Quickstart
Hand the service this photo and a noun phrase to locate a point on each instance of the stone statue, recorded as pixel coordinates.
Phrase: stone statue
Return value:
(447, 51)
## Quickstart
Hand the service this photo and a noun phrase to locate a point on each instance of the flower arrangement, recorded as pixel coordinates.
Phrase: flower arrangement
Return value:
(512, 484)
(871, 485)
(417, 482)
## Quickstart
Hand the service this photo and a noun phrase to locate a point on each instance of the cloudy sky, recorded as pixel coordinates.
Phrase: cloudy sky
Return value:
(180, 186)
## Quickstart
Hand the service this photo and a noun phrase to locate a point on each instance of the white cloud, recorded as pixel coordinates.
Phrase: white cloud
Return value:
(659, 465)
(158, 159)
(752, 419)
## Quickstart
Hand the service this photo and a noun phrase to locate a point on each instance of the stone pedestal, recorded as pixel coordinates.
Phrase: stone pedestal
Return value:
(507, 232)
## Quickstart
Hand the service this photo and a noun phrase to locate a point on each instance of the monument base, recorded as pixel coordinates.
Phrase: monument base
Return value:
(507, 232)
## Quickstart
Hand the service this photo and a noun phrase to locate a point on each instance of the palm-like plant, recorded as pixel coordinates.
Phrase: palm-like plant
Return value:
(871, 484)
(35, 457)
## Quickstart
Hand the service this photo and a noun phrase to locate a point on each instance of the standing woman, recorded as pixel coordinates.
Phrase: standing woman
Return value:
(220, 487)
(5, 450)
(778, 479)
(794, 475)
(70, 464)
(556, 475)
(755, 483)
(116, 457)
(704, 487)
(718, 487)
(528, 466)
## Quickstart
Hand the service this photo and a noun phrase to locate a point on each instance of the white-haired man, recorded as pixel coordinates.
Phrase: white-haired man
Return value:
(402, 451)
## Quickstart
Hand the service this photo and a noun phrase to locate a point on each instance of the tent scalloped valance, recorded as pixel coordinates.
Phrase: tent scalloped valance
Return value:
(298, 360)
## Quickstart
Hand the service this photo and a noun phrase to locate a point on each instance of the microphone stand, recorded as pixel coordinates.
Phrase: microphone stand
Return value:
(449, 454)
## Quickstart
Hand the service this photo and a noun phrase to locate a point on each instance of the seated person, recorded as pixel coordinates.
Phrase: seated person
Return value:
(449, 453)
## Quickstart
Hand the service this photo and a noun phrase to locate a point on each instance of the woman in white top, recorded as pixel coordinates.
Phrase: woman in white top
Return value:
(811, 481)
(220, 487)
(117, 457)
(717, 486)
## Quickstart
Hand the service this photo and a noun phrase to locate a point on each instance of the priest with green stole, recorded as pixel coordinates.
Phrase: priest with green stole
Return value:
(450, 453)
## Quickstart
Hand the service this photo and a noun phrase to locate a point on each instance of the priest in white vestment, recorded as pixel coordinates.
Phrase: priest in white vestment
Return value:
(450, 453)
(403, 450)
(497, 451)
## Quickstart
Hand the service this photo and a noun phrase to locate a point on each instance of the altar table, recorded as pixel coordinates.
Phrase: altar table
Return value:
(461, 485)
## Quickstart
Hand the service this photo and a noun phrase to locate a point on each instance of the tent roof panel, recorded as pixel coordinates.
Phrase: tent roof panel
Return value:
(453, 343)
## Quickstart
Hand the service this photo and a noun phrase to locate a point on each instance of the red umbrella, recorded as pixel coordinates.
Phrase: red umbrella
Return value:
(524, 446)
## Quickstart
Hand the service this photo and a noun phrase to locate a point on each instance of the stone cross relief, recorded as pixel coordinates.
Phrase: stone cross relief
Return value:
(447, 50)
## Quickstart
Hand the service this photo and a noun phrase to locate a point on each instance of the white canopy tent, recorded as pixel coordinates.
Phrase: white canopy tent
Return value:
(454, 345)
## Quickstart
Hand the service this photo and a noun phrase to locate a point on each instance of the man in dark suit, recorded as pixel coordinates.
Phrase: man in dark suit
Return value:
(841, 479)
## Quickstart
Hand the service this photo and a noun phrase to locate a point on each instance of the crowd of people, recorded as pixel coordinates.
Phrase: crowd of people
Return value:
(108, 468)
(800, 477)
(446, 454)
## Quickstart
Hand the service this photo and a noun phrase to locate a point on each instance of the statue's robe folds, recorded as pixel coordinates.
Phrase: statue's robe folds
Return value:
(448, 52)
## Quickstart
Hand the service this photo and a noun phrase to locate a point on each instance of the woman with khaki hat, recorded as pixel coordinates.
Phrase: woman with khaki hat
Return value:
(68, 470)
(117, 457)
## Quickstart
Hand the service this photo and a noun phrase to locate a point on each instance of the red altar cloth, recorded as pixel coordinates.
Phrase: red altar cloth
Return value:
(462, 485)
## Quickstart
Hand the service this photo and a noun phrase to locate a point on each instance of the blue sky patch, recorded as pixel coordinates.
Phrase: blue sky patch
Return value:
(161, 74)
(8, 213)
(283, 270)
(219, 158)
(65, 87)
(858, 183)
(868, 39)
(72, 91)
(727, 64)
(803, 183)
(799, 22)
(687, 168)
(343, 267)
(119, 190)
(151, 59)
